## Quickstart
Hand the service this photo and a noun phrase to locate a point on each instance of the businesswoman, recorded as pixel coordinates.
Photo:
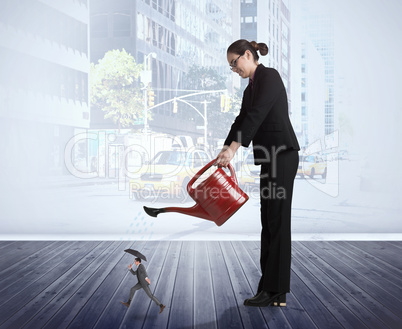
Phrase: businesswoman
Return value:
(264, 120)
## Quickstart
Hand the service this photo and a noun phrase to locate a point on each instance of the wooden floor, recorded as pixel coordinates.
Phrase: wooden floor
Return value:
(67, 284)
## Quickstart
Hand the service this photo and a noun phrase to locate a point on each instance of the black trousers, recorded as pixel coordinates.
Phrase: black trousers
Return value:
(276, 189)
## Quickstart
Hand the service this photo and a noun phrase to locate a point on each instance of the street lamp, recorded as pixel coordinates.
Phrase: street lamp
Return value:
(203, 116)
(146, 79)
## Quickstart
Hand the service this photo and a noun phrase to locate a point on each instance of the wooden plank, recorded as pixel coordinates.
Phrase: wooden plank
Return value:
(302, 305)
(145, 310)
(339, 311)
(204, 307)
(6, 244)
(355, 291)
(21, 248)
(116, 315)
(81, 289)
(343, 279)
(52, 310)
(113, 314)
(379, 250)
(390, 272)
(27, 267)
(20, 251)
(63, 271)
(164, 290)
(311, 304)
(89, 314)
(227, 312)
(13, 291)
(389, 246)
(248, 254)
(46, 289)
(182, 305)
(251, 316)
(397, 244)
(366, 268)
(336, 288)
(17, 247)
(347, 269)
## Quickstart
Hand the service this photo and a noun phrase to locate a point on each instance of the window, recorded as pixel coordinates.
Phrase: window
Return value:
(140, 27)
(285, 31)
(99, 26)
(284, 48)
(121, 24)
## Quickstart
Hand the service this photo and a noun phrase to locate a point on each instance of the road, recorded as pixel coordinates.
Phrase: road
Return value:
(104, 211)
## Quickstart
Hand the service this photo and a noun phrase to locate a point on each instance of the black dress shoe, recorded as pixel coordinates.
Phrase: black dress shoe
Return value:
(263, 299)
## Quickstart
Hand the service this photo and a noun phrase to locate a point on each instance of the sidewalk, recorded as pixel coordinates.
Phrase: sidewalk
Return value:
(72, 181)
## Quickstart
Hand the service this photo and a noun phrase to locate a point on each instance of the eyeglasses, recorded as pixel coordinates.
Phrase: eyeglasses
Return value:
(232, 66)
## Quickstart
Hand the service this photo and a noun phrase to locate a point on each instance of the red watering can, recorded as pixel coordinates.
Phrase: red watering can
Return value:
(217, 198)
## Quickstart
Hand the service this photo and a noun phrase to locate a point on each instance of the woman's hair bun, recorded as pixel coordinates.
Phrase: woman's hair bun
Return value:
(261, 47)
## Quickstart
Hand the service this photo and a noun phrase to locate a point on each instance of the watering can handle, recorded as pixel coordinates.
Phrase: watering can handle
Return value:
(204, 169)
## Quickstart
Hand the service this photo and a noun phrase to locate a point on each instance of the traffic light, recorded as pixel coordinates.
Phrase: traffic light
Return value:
(151, 98)
(225, 103)
(222, 102)
(174, 106)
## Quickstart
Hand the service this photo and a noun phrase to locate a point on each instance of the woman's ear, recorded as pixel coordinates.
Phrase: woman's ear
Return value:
(248, 54)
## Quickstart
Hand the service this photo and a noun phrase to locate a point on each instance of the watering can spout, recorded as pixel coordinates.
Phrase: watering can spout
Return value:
(153, 212)
(195, 211)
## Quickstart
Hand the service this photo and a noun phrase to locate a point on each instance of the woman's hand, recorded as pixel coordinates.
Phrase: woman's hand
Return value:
(226, 154)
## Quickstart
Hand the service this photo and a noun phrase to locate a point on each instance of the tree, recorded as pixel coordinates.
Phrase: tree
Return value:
(203, 78)
(115, 88)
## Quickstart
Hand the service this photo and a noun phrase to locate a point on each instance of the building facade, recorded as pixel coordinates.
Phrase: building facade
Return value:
(318, 26)
(312, 85)
(178, 34)
(43, 82)
(269, 22)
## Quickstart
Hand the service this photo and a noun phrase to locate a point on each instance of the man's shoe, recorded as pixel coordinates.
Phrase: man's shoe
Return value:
(162, 307)
(263, 299)
(125, 304)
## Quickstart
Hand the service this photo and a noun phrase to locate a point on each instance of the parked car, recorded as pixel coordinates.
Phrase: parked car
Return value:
(168, 174)
(248, 174)
(312, 165)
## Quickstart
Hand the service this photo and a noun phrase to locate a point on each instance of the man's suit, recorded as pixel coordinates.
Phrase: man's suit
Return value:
(264, 120)
(141, 274)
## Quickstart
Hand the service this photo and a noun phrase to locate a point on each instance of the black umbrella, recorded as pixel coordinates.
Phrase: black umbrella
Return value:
(136, 253)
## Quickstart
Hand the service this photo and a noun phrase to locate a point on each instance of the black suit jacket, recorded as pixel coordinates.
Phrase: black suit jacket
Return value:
(141, 274)
(264, 117)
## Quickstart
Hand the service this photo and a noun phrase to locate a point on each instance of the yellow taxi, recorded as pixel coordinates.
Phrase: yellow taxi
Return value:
(168, 174)
(248, 174)
(312, 165)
